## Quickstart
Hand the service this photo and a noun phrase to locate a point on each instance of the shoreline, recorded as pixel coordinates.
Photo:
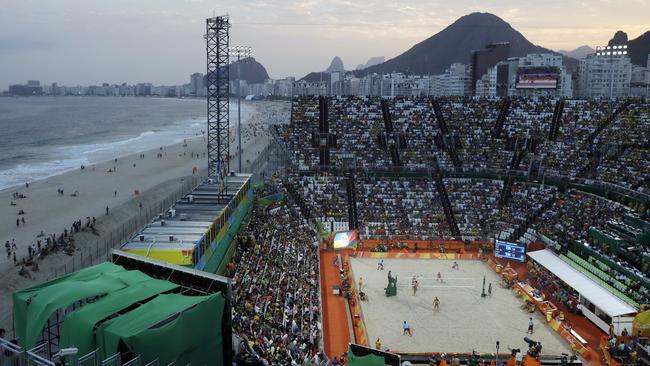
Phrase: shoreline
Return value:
(90, 166)
(88, 151)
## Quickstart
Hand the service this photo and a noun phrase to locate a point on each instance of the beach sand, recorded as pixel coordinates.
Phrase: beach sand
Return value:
(465, 321)
(158, 180)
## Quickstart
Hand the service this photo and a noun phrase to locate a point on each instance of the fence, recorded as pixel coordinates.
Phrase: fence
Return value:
(97, 252)
(12, 355)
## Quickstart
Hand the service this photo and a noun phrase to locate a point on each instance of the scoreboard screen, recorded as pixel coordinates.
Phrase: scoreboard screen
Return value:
(506, 250)
(537, 78)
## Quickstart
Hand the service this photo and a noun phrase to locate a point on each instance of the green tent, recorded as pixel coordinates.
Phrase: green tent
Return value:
(78, 328)
(33, 306)
(185, 329)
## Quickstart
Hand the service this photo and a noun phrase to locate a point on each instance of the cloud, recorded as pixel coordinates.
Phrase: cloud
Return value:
(160, 40)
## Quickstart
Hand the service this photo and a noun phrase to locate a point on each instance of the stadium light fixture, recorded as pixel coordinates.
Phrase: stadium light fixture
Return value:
(240, 52)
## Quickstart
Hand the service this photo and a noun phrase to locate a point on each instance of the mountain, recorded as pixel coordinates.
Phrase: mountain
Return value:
(372, 62)
(638, 48)
(578, 53)
(455, 44)
(620, 38)
(251, 71)
(314, 77)
(335, 65)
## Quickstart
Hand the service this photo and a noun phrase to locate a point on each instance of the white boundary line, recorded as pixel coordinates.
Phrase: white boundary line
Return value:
(432, 286)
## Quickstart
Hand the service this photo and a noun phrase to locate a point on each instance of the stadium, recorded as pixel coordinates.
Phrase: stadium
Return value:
(369, 231)
(384, 231)
(531, 193)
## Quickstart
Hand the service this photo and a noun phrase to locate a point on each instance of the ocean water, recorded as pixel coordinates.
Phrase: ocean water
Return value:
(45, 136)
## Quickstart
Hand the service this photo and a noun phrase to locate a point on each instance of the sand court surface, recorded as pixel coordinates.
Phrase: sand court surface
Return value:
(465, 320)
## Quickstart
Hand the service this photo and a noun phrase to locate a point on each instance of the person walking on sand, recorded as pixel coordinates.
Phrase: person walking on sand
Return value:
(406, 329)
(107, 210)
(115, 194)
(414, 285)
(436, 304)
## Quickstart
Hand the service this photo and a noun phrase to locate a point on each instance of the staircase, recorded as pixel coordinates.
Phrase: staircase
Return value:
(323, 129)
(453, 154)
(446, 205)
(442, 124)
(394, 156)
(323, 115)
(533, 168)
(392, 141)
(622, 108)
(353, 219)
(448, 140)
(517, 157)
(554, 131)
(501, 119)
(388, 120)
(506, 192)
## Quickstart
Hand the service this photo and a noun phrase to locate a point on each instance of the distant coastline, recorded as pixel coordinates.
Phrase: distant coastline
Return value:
(87, 131)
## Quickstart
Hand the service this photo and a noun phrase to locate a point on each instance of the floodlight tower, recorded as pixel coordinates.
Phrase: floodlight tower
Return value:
(612, 53)
(240, 52)
(217, 79)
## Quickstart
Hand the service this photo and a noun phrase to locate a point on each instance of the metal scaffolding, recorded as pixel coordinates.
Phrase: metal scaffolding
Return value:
(217, 79)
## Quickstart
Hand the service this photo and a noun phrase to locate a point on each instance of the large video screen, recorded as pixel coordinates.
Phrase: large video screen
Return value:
(346, 240)
(507, 250)
(537, 78)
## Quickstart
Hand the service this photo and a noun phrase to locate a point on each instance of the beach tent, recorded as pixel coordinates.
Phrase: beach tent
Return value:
(116, 310)
(170, 328)
(34, 306)
(78, 328)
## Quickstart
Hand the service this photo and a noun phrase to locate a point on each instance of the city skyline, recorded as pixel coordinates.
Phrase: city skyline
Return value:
(160, 41)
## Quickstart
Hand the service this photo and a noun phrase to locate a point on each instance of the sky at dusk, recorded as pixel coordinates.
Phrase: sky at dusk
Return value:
(82, 42)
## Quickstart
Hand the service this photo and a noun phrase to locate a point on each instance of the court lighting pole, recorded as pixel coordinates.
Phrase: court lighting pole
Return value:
(241, 52)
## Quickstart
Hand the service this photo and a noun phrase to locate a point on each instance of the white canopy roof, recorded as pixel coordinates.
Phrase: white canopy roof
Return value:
(592, 291)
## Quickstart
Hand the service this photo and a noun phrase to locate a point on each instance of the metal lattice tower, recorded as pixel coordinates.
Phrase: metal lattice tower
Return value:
(217, 80)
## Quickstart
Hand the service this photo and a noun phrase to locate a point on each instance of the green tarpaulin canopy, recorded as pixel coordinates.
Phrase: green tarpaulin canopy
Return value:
(78, 328)
(191, 331)
(167, 327)
(33, 306)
